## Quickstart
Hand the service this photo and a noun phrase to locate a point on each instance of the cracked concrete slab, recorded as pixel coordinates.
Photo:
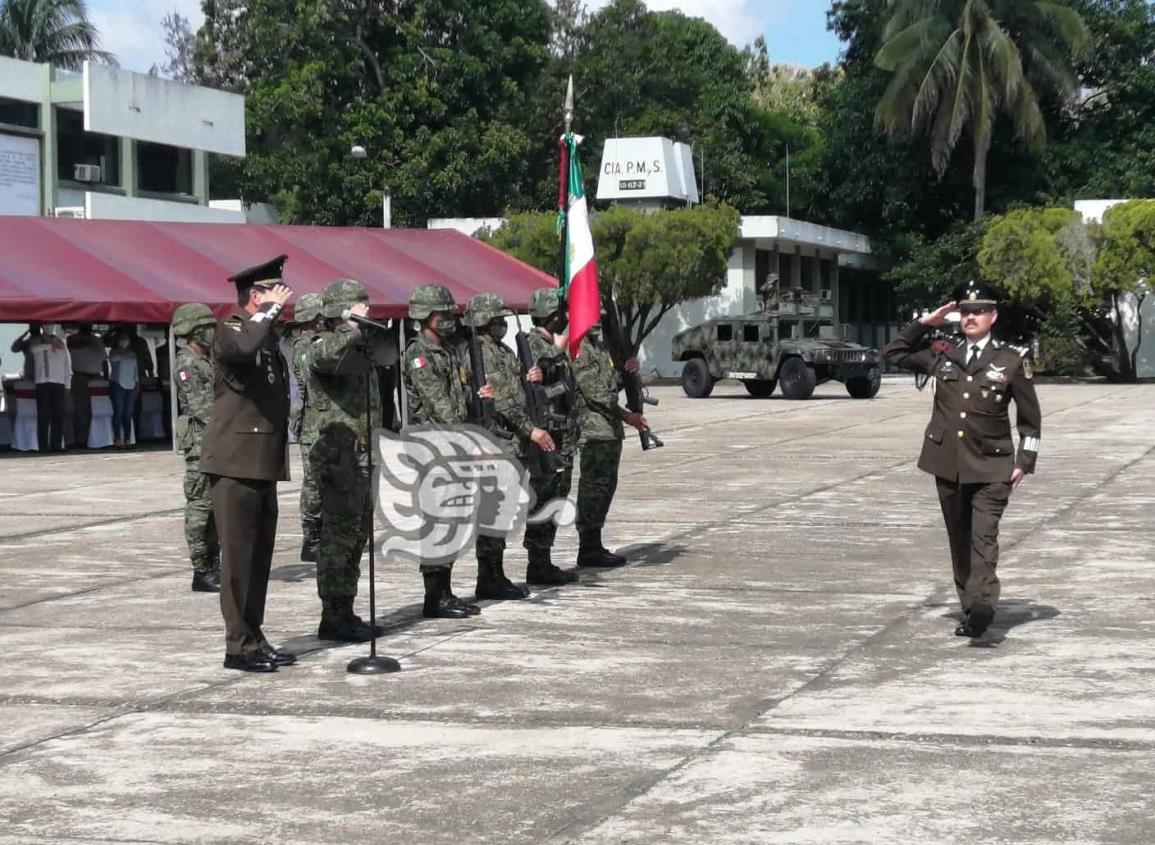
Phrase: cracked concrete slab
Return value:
(777, 663)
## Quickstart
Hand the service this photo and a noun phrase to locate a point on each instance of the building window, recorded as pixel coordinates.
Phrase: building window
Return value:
(786, 270)
(725, 332)
(161, 169)
(826, 273)
(19, 113)
(85, 156)
(807, 272)
(750, 333)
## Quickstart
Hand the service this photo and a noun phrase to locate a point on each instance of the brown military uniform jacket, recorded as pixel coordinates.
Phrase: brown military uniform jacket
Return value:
(969, 436)
(247, 434)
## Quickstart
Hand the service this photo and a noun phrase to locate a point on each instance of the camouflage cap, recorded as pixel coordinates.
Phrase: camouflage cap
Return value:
(308, 308)
(544, 301)
(190, 317)
(429, 299)
(340, 295)
(484, 307)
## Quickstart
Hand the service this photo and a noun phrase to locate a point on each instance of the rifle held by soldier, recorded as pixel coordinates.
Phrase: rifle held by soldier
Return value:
(539, 402)
(636, 395)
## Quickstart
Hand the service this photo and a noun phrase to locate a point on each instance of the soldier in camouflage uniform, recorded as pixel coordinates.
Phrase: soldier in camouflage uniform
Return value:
(193, 328)
(547, 348)
(343, 400)
(601, 419)
(303, 422)
(437, 387)
(486, 314)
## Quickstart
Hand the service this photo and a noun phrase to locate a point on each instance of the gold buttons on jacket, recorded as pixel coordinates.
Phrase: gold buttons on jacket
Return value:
(962, 434)
(963, 415)
(970, 378)
(966, 396)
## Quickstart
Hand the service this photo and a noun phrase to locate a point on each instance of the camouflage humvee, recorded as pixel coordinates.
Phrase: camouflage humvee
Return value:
(789, 343)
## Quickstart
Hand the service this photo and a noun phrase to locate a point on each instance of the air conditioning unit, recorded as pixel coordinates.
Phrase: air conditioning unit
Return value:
(826, 294)
(75, 212)
(86, 172)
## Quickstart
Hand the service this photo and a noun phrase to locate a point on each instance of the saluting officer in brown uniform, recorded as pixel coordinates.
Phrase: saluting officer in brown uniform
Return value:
(245, 454)
(968, 445)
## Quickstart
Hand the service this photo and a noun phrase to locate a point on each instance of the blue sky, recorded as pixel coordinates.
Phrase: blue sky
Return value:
(795, 29)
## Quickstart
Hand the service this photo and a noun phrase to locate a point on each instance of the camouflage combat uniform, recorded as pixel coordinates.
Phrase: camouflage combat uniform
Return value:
(194, 380)
(601, 420)
(195, 376)
(303, 424)
(343, 400)
(437, 387)
(555, 368)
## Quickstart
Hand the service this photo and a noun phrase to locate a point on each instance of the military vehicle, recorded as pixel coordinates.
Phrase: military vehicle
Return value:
(790, 342)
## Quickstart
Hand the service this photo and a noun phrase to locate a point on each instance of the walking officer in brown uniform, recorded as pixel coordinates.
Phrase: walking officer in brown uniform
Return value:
(245, 454)
(968, 445)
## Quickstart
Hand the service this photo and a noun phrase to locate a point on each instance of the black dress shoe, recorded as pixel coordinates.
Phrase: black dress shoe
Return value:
(206, 582)
(250, 661)
(278, 656)
(976, 622)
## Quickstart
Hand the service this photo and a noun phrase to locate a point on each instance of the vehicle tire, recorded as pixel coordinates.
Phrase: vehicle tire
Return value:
(759, 388)
(797, 379)
(696, 379)
(865, 386)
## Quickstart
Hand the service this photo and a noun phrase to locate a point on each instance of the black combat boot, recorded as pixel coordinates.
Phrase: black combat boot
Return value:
(444, 576)
(437, 604)
(492, 583)
(541, 570)
(591, 552)
(340, 624)
(206, 581)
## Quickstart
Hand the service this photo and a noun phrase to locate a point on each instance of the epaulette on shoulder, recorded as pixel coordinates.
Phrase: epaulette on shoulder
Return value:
(234, 322)
(1021, 351)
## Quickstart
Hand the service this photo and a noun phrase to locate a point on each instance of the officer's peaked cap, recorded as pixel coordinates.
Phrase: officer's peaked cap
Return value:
(976, 293)
(262, 275)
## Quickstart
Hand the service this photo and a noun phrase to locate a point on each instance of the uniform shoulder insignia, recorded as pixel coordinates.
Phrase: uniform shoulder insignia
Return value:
(234, 323)
(418, 362)
(184, 375)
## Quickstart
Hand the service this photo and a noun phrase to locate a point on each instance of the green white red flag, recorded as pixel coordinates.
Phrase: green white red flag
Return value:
(580, 282)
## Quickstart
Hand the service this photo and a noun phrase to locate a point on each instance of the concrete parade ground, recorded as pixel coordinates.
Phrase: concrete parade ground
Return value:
(776, 664)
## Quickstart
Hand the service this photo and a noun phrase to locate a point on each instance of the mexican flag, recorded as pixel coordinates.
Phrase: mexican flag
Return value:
(580, 281)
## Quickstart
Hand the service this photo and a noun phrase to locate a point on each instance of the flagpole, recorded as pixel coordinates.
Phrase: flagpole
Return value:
(563, 194)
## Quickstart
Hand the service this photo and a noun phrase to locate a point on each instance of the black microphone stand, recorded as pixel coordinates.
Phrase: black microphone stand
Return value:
(373, 664)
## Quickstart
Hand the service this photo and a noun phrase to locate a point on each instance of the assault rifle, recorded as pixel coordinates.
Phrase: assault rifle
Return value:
(539, 401)
(636, 395)
(481, 410)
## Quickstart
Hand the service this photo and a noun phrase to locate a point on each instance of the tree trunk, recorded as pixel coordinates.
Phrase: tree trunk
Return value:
(982, 147)
(1122, 353)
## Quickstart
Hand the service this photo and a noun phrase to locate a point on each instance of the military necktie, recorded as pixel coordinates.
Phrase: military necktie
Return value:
(974, 354)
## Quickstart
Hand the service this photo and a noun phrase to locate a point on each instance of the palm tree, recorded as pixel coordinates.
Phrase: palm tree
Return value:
(54, 31)
(958, 64)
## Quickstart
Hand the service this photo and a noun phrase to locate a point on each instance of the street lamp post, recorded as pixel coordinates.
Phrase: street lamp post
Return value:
(358, 152)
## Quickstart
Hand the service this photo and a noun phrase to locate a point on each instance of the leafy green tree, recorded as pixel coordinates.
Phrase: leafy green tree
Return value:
(958, 65)
(436, 92)
(1106, 146)
(58, 32)
(647, 263)
(933, 270)
(1122, 274)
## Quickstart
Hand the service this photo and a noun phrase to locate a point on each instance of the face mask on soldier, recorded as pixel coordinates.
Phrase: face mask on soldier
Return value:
(557, 324)
(446, 326)
(497, 329)
(205, 335)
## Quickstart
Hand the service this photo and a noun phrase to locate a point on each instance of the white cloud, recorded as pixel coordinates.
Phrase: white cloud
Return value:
(740, 21)
(131, 30)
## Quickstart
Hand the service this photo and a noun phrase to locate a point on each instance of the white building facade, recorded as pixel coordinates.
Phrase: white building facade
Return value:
(108, 143)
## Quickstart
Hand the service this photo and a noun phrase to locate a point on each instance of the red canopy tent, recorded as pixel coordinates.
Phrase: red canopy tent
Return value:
(61, 270)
